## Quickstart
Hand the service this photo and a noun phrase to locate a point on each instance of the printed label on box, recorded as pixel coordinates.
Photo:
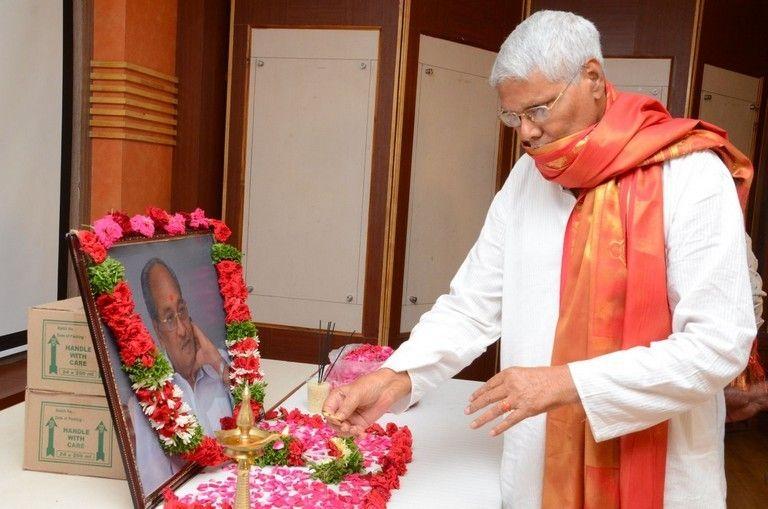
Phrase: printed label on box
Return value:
(74, 433)
(68, 352)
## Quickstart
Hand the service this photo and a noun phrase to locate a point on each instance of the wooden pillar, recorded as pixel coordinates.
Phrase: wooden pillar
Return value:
(133, 98)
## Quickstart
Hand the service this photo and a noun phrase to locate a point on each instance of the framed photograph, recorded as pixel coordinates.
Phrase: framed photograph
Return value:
(173, 338)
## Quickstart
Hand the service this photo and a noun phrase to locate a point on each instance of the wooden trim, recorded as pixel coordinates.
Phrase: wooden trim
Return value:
(149, 84)
(132, 124)
(80, 170)
(481, 369)
(122, 76)
(13, 373)
(137, 103)
(298, 344)
(132, 114)
(526, 9)
(227, 115)
(309, 26)
(132, 89)
(135, 68)
(693, 63)
(390, 227)
(122, 135)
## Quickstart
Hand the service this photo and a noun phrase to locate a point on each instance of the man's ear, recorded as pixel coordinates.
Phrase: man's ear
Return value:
(594, 72)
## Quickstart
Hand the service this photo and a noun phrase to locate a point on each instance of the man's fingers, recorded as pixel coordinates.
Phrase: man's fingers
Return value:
(496, 394)
(510, 420)
(347, 405)
(496, 410)
(332, 403)
(494, 381)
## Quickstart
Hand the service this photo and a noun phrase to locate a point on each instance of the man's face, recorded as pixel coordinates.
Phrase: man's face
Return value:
(173, 324)
(581, 105)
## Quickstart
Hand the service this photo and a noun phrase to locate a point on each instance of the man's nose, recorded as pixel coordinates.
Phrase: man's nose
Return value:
(528, 131)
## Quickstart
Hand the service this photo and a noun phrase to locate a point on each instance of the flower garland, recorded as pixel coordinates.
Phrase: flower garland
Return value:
(151, 375)
(384, 452)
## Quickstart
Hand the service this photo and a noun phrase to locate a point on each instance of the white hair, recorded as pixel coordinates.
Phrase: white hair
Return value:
(556, 43)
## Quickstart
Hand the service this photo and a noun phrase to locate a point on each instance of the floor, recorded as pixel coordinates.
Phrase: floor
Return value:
(746, 468)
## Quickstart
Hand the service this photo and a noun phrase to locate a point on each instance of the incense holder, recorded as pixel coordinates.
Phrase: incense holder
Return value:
(316, 395)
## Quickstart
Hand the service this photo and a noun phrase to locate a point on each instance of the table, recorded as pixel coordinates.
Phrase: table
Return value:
(453, 466)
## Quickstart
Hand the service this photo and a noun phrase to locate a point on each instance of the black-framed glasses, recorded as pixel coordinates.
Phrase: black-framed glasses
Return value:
(171, 320)
(536, 114)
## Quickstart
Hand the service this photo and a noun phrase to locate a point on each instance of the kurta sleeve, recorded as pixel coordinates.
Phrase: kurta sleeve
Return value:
(463, 322)
(710, 297)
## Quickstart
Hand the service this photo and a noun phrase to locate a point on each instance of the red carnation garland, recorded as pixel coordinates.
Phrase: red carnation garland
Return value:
(160, 399)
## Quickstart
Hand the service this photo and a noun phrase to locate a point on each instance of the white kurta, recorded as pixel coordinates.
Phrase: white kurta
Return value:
(508, 287)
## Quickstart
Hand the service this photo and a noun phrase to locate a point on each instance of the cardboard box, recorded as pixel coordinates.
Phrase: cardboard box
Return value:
(60, 353)
(68, 426)
(70, 434)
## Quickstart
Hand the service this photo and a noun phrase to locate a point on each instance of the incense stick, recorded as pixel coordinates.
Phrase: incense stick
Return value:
(338, 356)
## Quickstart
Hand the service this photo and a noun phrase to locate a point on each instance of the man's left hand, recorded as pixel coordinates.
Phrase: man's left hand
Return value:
(521, 393)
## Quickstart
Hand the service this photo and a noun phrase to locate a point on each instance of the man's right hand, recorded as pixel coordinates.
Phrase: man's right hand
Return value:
(352, 408)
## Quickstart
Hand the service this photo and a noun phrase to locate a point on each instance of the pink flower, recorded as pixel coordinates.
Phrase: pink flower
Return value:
(198, 220)
(107, 230)
(278, 445)
(175, 224)
(143, 225)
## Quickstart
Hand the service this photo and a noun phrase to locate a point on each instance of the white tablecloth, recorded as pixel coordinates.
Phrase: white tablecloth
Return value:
(453, 466)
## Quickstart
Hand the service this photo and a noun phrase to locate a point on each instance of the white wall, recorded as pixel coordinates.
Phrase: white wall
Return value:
(30, 156)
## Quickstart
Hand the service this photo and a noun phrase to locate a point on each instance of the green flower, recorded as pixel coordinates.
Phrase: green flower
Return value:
(179, 447)
(257, 392)
(105, 276)
(240, 330)
(220, 251)
(350, 462)
(150, 378)
(275, 457)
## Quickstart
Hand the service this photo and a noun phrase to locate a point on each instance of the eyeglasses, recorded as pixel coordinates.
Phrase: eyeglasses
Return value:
(171, 320)
(536, 114)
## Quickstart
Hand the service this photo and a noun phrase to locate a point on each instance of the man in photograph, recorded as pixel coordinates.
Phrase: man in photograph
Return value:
(200, 370)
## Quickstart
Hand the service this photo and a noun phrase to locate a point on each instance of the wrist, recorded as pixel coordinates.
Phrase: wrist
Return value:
(565, 393)
(399, 383)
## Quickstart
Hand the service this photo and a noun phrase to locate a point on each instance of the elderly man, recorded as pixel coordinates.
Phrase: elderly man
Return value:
(612, 264)
(200, 371)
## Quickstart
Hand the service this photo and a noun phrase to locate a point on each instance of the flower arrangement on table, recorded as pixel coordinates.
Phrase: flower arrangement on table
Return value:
(338, 461)
(309, 466)
(360, 361)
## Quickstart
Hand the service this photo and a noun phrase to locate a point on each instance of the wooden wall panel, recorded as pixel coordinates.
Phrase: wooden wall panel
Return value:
(483, 24)
(201, 65)
(641, 28)
(733, 37)
(301, 343)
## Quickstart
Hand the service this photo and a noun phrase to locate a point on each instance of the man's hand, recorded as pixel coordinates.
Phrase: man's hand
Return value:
(521, 393)
(207, 352)
(352, 408)
(741, 405)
